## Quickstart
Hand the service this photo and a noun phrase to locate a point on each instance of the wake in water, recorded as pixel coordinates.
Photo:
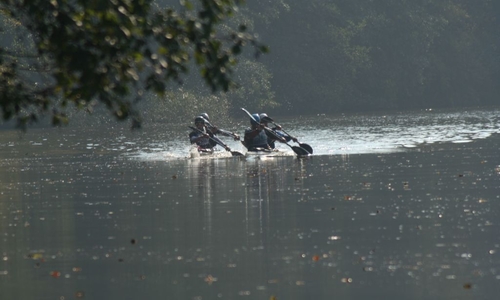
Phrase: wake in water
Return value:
(347, 134)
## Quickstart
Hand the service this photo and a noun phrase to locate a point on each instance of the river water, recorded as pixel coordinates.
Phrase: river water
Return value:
(395, 206)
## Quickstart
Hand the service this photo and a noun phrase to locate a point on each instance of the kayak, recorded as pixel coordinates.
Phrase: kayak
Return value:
(262, 152)
(196, 152)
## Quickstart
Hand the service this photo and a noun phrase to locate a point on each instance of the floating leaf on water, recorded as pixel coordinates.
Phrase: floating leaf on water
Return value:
(35, 256)
(467, 286)
(79, 294)
(210, 279)
(316, 257)
(55, 274)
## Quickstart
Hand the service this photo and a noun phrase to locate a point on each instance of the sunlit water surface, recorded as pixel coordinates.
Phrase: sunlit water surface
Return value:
(396, 206)
(351, 134)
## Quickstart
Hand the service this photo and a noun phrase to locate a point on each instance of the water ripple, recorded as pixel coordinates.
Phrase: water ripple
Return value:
(347, 134)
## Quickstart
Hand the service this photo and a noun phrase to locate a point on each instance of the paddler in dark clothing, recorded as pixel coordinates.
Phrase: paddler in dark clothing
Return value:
(264, 120)
(255, 137)
(201, 137)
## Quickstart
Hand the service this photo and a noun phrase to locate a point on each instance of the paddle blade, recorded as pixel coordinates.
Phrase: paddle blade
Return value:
(306, 147)
(300, 151)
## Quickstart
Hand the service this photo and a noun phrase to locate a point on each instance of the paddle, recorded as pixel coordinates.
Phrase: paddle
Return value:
(302, 145)
(225, 132)
(234, 153)
(298, 150)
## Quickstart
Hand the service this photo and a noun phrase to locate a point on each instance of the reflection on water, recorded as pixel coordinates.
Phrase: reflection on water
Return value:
(128, 216)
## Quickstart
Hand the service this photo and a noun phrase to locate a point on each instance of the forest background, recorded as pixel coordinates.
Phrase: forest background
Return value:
(335, 56)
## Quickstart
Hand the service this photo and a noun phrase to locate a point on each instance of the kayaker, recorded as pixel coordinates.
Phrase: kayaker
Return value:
(215, 130)
(202, 137)
(255, 136)
(264, 120)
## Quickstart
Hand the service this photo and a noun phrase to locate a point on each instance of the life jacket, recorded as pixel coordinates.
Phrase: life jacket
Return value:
(204, 143)
(258, 141)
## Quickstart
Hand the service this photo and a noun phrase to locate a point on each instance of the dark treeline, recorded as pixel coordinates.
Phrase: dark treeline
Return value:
(352, 55)
(329, 56)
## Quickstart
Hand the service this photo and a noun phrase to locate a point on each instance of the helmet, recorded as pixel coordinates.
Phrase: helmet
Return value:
(199, 119)
(205, 115)
(255, 120)
(265, 118)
